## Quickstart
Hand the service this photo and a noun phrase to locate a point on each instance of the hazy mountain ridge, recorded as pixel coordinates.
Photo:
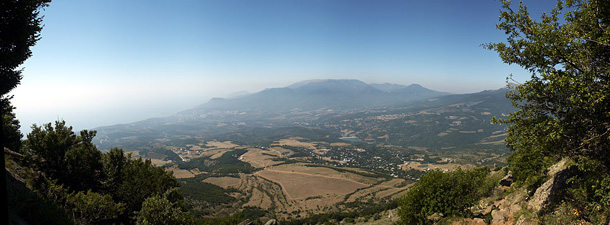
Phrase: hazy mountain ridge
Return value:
(331, 94)
(299, 105)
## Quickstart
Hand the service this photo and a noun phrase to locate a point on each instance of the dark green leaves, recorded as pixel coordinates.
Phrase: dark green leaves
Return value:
(442, 193)
(564, 108)
(20, 26)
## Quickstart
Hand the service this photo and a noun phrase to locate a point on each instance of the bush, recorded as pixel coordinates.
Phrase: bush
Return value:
(160, 210)
(588, 192)
(442, 193)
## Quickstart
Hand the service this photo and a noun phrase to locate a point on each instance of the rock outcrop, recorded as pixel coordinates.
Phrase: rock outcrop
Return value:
(547, 194)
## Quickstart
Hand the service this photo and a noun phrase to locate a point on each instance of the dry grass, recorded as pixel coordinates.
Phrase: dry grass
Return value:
(295, 142)
(339, 144)
(261, 158)
(418, 148)
(499, 135)
(386, 189)
(224, 182)
(468, 132)
(280, 151)
(195, 147)
(158, 162)
(218, 144)
(292, 189)
(215, 154)
(500, 142)
(180, 173)
(391, 192)
(310, 181)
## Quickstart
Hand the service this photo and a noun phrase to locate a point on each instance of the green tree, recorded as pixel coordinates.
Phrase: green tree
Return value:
(70, 172)
(443, 194)
(83, 164)
(47, 145)
(563, 110)
(141, 179)
(164, 209)
(91, 207)
(20, 26)
(11, 136)
(114, 163)
(72, 160)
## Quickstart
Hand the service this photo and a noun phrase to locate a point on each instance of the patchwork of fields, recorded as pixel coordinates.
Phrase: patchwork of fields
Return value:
(284, 187)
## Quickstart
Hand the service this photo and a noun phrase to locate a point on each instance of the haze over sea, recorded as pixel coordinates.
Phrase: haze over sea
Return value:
(107, 62)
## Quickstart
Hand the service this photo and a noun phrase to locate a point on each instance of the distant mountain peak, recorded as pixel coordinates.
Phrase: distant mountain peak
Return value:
(341, 94)
(322, 81)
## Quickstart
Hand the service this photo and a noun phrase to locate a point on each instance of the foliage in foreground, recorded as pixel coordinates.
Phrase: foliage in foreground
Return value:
(563, 111)
(163, 209)
(92, 187)
(444, 194)
(21, 24)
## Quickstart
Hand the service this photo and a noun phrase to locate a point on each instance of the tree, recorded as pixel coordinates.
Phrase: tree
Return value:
(140, 180)
(443, 194)
(72, 160)
(11, 136)
(114, 163)
(48, 146)
(84, 164)
(91, 207)
(564, 110)
(163, 210)
(20, 26)
(20, 23)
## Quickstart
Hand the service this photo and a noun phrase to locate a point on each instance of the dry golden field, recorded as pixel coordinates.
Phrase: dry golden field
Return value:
(224, 182)
(290, 189)
(300, 185)
(385, 189)
(261, 158)
(296, 142)
(218, 144)
(180, 173)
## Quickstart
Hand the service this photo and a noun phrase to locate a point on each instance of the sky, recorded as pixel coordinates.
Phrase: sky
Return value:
(107, 62)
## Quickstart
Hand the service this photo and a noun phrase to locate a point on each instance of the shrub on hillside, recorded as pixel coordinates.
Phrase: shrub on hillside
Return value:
(443, 194)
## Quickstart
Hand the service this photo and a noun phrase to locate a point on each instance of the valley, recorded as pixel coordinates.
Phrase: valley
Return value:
(305, 159)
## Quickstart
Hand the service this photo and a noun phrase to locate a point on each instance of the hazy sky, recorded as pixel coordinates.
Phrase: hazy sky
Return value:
(113, 61)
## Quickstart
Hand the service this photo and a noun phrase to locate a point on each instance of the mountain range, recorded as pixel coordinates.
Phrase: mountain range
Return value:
(318, 94)
(303, 104)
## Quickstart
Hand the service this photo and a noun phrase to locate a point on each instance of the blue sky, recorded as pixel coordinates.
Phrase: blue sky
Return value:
(112, 61)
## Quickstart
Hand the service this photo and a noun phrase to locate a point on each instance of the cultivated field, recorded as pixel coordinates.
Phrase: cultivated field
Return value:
(296, 142)
(218, 144)
(261, 158)
(224, 182)
(302, 189)
(301, 185)
(180, 173)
